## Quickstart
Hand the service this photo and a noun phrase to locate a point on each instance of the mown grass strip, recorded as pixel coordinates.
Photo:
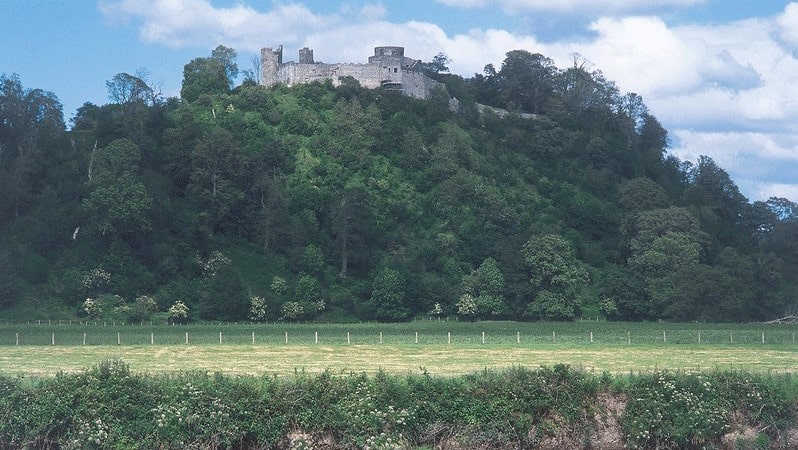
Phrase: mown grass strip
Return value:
(436, 360)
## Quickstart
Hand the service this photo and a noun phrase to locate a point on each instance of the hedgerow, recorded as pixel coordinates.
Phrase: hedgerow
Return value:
(108, 407)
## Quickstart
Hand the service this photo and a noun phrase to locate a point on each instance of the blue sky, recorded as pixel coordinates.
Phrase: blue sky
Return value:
(721, 75)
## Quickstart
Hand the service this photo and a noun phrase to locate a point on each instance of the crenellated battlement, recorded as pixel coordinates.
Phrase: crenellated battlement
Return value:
(388, 68)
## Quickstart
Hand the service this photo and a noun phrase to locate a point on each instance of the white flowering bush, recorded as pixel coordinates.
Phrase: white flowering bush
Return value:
(193, 413)
(89, 433)
(257, 309)
(178, 312)
(667, 411)
(291, 311)
(95, 280)
(142, 309)
(92, 308)
(122, 311)
(371, 424)
(467, 306)
(147, 303)
(215, 262)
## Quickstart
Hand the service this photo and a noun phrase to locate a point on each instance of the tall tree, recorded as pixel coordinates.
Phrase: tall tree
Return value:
(204, 76)
(526, 80)
(557, 275)
(118, 201)
(227, 56)
(388, 296)
(31, 125)
(217, 163)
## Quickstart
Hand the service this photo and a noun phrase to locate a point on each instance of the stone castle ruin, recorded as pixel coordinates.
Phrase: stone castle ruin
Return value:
(389, 68)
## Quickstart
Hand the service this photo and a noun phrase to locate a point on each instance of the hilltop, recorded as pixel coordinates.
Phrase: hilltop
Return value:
(322, 202)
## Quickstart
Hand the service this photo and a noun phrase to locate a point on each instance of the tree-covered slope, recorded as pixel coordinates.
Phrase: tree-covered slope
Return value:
(320, 202)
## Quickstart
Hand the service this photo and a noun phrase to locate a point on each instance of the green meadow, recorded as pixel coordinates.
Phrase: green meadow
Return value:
(434, 347)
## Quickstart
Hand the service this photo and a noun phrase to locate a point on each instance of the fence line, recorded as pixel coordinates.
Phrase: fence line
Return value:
(698, 337)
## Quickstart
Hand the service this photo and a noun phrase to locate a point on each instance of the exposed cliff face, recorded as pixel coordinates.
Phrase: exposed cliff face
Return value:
(388, 69)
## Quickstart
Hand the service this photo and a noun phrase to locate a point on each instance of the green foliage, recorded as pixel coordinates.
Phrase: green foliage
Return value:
(557, 275)
(551, 306)
(668, 410)
(204, 76)
(388, 296)
(379, 205)
(673, 412)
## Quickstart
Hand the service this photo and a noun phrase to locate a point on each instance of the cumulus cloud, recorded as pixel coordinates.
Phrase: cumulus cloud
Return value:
(728, 90)
(763, 165)
(788, 24)
(180, 23)
(779, 190)
(573, 6)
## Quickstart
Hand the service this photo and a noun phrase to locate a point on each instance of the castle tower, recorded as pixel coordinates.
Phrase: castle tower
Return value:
(388, 55)
(270, 62)
(305, 55)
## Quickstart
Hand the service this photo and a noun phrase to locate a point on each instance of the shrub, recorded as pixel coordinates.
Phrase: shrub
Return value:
(257, 309)
(178, 313)
(669, 411)
(107, 406)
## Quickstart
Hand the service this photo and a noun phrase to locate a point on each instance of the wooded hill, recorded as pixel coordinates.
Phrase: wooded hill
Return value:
(323, 203)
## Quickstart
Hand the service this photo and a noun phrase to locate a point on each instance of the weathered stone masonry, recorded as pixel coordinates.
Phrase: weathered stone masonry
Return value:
(387, 69)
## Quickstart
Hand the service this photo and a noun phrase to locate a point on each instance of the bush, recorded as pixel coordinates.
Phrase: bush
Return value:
(107, 406)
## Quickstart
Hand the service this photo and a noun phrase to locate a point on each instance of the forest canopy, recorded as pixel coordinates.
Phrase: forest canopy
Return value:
(543, 193)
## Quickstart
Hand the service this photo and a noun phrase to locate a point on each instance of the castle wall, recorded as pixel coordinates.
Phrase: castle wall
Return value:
(388, 68)
(418, 85)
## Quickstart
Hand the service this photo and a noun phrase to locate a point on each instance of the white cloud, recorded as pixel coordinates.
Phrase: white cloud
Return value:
(788, 24)
(765, 191)
(729, 91)
(573, 6)
(373, 12)
(763, 165)
(181, 23)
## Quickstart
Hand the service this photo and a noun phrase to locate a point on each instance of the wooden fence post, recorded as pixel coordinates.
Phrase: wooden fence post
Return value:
(483, 337)
(591, 337)
(253, 338)
(317, 337)
(286, 337)
(118, 339)
(52, 339)
(186, 337)
(348, 341)
(220, 338)
(449, 337)
(416, 337)
(518, 337)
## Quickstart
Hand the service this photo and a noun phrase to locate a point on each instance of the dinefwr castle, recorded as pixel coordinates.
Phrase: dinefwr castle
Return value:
(389, 68)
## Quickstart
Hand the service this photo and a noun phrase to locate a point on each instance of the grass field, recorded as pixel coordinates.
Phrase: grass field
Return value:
(443, 348)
